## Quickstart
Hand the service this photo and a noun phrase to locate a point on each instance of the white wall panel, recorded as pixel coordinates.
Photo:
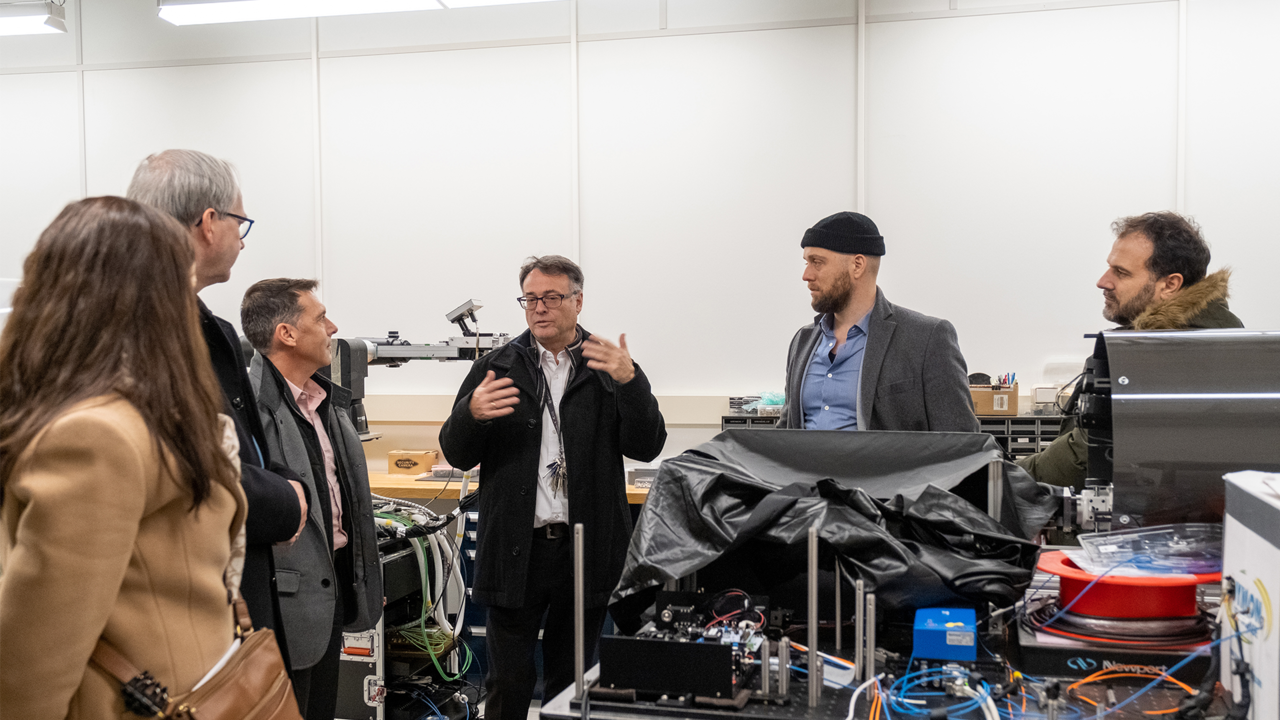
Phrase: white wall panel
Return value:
(117, 31)
(704, 158)
(1233, 149)
(439, 27)
(610, 16)
(1000, 148)
(703, 13)
(39, 159)
(41, 50)
(443, 171)
(894, 7)
(256, 116)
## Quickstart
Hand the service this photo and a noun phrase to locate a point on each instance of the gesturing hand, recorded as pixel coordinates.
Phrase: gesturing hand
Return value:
(613, 359)
(494, 398)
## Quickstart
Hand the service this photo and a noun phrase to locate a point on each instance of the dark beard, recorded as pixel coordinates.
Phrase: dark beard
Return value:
(1128, 312)
(835, 299)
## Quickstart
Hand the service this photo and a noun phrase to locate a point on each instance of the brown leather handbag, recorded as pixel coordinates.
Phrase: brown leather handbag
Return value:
(252, 685)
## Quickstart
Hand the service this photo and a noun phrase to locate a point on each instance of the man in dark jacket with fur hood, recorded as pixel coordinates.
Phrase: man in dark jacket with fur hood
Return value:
(549, 417)
(1155, 280)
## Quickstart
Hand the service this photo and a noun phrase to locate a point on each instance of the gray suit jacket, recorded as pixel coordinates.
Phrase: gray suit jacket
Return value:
(913, 375)
(306, 577)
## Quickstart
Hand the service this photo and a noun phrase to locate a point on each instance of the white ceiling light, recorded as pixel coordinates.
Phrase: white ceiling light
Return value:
(202, 12)
(32, 18)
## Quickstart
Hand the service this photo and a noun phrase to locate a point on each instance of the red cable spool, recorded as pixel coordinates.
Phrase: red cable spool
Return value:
(1116, 596)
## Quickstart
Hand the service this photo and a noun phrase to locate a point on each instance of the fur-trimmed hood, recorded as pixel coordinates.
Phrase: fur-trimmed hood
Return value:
(1203, 305)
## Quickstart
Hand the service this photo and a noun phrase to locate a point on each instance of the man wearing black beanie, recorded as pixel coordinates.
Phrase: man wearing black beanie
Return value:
(865, 363)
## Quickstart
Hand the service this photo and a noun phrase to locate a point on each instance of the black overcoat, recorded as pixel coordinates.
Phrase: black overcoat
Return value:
(601, 421)
(274, 513)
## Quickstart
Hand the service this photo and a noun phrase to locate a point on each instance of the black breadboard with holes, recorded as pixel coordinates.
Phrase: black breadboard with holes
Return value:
(833, 703)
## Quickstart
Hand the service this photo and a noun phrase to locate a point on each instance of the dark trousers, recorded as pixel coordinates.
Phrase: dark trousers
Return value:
(316, 687)
(512, 633)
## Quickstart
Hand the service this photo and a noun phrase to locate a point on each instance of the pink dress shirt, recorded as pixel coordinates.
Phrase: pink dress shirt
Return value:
(309, 397)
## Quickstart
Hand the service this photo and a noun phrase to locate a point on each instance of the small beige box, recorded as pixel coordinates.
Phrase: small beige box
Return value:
(411, 462)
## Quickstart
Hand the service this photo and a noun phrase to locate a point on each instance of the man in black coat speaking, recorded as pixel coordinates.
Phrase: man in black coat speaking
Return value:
(549, 417)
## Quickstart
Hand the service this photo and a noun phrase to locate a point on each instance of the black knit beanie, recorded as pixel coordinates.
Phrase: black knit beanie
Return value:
(850, 233)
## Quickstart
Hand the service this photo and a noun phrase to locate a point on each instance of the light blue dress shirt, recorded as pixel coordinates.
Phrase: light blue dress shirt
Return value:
(830, 394)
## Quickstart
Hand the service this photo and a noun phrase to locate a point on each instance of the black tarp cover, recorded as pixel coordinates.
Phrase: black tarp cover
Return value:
(881, 501)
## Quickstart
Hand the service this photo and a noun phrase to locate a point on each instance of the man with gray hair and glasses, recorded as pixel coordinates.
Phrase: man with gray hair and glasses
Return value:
(202, 193)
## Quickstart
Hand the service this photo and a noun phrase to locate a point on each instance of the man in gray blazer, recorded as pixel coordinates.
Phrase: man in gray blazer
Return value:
(865, 363)
(329, 577)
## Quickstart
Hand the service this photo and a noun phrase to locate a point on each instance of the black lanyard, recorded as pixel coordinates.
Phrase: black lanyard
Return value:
(558, 467)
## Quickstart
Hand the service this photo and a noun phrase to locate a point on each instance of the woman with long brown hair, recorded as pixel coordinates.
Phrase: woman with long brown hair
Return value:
(120, 504)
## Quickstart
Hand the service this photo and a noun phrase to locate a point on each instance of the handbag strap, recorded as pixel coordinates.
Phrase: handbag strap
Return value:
(143, 694)
(244, 624)
(110, 660)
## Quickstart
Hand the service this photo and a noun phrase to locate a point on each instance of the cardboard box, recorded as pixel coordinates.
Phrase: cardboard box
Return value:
(411, 462)
(994, 399)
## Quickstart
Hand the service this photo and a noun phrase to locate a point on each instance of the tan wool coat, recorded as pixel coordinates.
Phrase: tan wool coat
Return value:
(99, 540)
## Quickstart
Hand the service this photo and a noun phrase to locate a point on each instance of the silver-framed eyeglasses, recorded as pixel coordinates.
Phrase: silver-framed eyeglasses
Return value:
(550, 301)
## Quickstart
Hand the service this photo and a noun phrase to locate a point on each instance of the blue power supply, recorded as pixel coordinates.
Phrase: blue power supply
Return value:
(945, 634)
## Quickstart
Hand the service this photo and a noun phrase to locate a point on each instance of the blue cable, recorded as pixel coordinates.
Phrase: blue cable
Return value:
(922, 711)
(1171, 671)
(1191, 656)
(901, 688)
(419, 695)
(1044, 584)
(983, 644)
(885, 710)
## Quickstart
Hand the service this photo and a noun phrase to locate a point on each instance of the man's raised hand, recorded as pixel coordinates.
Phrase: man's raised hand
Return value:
(494, 398)
(613, 359)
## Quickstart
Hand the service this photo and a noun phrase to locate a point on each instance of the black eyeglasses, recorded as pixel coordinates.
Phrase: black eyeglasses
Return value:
(245, 223)
(550, 301)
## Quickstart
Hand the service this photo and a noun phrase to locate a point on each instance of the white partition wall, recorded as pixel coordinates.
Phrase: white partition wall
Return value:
(999, 150)
(1233, 145)
(704, 157)
(254, 115)
(678, 149)
(443, 171)
(39, 159)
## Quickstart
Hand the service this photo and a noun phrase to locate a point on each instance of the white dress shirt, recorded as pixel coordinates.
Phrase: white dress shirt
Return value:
(551, 508)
